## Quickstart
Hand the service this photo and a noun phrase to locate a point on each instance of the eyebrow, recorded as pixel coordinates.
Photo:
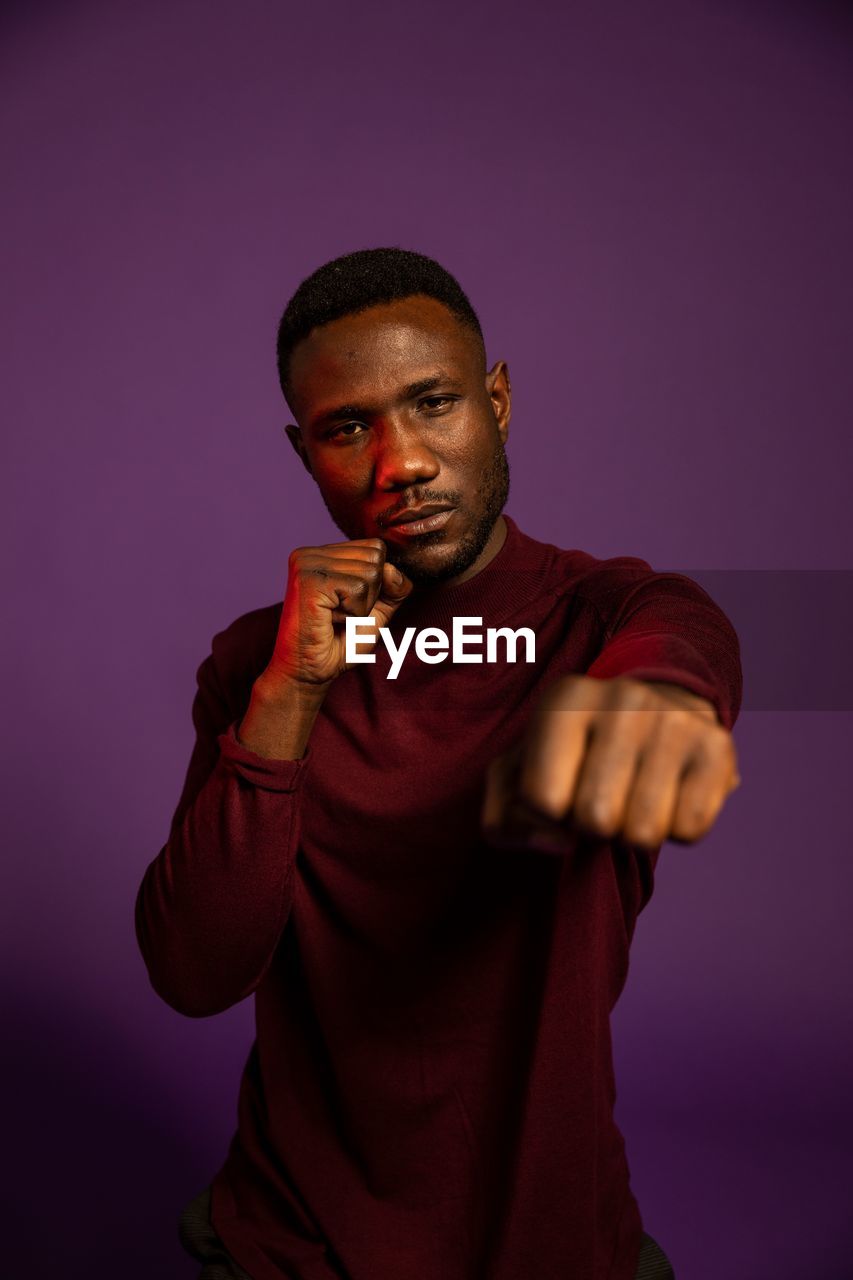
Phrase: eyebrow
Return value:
(410, 392)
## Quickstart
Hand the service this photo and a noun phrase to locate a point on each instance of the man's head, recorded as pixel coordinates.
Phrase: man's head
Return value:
(381, 359)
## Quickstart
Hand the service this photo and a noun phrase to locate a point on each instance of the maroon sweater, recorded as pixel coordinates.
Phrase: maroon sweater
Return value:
(430, 1093)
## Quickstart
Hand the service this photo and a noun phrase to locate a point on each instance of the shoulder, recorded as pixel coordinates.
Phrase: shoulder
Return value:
(248, 641)
(609, 586)
(240, 651)
(570, 570)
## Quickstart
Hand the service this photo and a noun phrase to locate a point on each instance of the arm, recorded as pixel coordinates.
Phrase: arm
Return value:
(213, 903)
(639, 747)
(665, 629)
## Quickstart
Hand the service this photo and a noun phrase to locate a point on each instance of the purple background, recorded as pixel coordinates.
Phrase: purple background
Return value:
(650, 206)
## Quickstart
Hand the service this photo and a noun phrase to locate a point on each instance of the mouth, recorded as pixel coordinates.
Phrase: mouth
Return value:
(419, 520)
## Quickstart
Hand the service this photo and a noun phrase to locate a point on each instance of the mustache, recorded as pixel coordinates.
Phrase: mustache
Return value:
(420, 499)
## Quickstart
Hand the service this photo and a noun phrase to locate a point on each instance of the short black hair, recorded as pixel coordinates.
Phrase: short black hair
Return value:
(360, 280)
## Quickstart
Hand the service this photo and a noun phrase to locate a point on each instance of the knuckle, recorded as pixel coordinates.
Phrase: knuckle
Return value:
(697, 814)
(542, 800)
(559, 696)
(671, 724)
(372, 549)
(678, 719)
(716, 747)
(693, 823)
(644, 824)
(718, 739)
(569, 685)
(595, 812)
(586, 697)
(643, 811)
(674, 730)
(698, 818)
(627, 694)
(644, 833)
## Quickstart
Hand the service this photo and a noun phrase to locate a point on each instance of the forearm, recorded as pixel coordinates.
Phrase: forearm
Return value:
(280, 717)
(676, 641)
(213, 903)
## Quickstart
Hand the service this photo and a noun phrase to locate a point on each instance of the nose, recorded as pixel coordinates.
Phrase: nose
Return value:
(403, 457)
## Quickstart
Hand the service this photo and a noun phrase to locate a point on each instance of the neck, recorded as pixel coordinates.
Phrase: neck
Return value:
(490, 550)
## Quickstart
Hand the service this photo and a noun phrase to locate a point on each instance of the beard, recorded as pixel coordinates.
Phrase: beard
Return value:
(489, 501)
(491, 498)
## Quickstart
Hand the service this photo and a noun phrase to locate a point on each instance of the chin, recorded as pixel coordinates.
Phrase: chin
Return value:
(426, 562)
(435, 561)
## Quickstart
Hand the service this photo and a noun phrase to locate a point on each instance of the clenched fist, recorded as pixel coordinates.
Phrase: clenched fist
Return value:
(326, 584)
(618, 757)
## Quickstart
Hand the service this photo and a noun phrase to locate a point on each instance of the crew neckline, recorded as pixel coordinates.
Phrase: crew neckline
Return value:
(511, 578)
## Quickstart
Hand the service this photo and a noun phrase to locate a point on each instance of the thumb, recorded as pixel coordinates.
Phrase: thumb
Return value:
(393, 591)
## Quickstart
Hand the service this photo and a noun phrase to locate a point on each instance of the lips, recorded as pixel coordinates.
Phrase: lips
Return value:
(419, 513)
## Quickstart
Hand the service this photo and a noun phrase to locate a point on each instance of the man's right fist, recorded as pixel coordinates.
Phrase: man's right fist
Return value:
(324, 586)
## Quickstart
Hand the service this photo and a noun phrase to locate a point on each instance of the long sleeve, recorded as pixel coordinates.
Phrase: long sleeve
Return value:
(437, 1004)
(665, 627)
(213, 903)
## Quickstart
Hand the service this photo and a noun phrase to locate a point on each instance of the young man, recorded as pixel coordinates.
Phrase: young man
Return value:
(428, 867)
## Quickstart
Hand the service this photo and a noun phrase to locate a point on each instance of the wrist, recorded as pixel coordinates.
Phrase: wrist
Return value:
(278, 688)
(280, 716)
(686, 698)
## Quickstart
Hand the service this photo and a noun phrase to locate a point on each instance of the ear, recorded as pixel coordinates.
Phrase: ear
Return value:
(294, 435)
(500, 394)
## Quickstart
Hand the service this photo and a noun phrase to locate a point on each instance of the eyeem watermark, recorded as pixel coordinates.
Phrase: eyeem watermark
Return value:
(433, 645)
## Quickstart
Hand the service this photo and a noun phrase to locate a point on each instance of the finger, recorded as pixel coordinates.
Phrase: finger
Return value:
(606, 775)
(499, 790)
(356, 547)
(350, 594)
(335, 556)
(618, 729)
(553, 750)
(508, 823)
(328, 569)
(712, 775)
(653, 794)
(394, 587)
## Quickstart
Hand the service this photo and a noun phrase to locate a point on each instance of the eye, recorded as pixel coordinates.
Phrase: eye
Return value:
(346, 431)
(436, 402)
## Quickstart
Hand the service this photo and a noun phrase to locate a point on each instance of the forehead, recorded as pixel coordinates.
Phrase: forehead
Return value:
(366, 356)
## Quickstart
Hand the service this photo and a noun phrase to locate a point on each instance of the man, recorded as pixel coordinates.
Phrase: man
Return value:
(430, 881)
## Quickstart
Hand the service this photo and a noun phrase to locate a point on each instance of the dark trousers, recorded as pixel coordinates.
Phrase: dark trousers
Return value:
(201, 1241)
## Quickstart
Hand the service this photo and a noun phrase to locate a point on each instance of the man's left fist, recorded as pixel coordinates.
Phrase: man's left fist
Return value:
(642, 761)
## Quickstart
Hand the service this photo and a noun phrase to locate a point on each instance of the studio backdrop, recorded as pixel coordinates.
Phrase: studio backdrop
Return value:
(650, 208)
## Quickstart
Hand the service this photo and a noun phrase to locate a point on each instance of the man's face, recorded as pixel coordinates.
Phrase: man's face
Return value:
(396, 411)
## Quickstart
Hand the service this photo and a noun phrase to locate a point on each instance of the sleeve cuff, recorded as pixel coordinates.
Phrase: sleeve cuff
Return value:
(271, 775)
(667, 659)
(685, 680)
